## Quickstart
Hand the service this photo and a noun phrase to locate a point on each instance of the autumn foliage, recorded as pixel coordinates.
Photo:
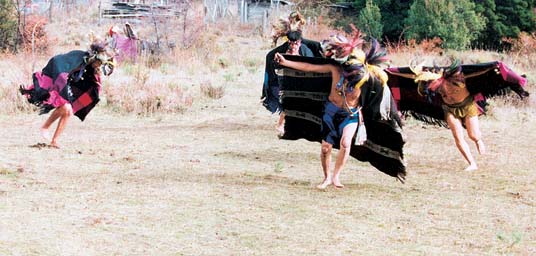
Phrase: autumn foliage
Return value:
(34, 36)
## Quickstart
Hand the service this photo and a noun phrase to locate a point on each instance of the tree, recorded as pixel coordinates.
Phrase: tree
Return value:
(454, 21)
(8, 24)
(215, 9)
(370, 20)
(392, 12)
(517, 16)
(490, 37)
(504, 19)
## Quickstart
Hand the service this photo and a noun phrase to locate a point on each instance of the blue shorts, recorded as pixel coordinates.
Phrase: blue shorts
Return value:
(333, 122)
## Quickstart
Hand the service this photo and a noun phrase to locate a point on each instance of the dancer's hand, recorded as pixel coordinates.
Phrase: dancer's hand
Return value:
(280, 59)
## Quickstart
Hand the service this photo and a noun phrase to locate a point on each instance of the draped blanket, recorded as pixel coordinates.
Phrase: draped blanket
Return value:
(125, 47)
(303, 95)
(270, 89)
(65, 79)
(483, 81)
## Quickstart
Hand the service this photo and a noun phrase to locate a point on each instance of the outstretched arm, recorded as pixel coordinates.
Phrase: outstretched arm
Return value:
(303, 66)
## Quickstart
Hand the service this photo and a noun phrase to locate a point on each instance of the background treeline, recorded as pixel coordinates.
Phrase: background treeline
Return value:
(8, 24)
(460, 24)
(452, 24)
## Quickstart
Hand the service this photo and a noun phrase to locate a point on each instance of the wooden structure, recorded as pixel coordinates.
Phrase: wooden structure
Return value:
(141, 8)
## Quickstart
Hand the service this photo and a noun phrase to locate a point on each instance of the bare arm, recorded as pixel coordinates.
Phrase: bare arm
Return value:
(478, 73)
(302, 66)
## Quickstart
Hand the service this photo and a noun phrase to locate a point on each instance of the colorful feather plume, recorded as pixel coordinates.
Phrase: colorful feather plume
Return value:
(341, 49)
(294, 22)
(377, 57)
(453, 75)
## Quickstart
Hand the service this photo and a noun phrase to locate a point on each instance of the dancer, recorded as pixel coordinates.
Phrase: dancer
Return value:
(69, 84)
(342, 110)
(124, 45)
(454, 96)
(291, 29)
(459, 107)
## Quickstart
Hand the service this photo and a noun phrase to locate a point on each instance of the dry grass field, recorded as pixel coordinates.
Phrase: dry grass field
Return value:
(210, 177)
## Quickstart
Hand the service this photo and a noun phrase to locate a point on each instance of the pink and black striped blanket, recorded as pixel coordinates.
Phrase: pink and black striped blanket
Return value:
(65, 79)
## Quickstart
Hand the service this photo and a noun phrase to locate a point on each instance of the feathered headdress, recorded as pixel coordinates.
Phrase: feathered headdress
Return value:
(342, 50)
(98, 50)
(431, 80)
(129, 31)
(357, 66)
(376, 58)
(113, 29)
(283, 26)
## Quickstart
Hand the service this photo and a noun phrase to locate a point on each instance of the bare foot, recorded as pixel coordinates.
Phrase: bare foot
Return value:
(471, 168)
(54, 145)
(45, 135)
(324, 184)
(280, 129)
(337, 183)
(481, 147)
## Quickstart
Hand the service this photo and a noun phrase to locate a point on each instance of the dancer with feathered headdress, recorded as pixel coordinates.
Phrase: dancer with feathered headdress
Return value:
(458, 105)
(124, 45)
(293, 23)
(352, 73)
(454, 96)
(290, 29)
(69, 84)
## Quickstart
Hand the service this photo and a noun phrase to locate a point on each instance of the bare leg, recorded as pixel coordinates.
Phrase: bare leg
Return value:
(473, 130)
(456, 127)
(281, 124)
(344, 152)
(325, 158)
(65, 112)
(51, 119)
(45, 134)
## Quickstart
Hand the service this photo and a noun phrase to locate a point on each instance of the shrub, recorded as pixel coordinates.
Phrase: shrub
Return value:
(8, 25)
(34, 36)
(213, 92)
(147, 99)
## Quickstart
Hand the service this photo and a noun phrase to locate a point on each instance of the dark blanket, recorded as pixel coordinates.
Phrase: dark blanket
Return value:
(303, 98)
(483, 81)
(67, 75)
(270, 87)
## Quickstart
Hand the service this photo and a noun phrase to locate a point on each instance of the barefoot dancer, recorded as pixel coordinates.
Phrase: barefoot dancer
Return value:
(295, 47)
(459, 108)
(291, 29)
(342, 110)
(69, 84)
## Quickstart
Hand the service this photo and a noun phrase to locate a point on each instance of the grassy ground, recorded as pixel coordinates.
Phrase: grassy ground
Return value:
(215, 180)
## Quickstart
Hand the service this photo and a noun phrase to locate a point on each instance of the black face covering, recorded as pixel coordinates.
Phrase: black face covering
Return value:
(107, 68)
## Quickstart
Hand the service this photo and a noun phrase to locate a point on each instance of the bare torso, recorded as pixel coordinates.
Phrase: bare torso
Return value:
(335, 97)
(453, 94)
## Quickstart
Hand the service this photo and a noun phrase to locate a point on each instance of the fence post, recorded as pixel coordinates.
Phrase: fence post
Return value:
(242, 3)
(264, 22)
(50, 11)
(100, 12)
(245, 12)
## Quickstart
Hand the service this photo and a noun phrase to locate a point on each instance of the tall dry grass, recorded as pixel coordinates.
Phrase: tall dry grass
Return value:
(198, 62)
(15, 70)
